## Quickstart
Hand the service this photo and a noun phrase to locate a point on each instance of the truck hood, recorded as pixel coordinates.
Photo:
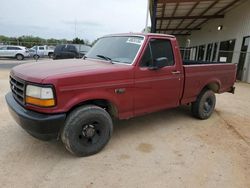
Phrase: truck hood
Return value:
(39, 71)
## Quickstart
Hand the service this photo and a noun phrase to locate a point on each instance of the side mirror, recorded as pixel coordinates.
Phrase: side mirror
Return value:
(159, 63)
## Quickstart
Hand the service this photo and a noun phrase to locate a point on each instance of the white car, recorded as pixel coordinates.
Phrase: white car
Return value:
(18, 52)
(41, 51)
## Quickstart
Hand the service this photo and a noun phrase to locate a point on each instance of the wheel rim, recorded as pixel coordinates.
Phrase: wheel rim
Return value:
(208, 105)
(90, 133)
(19, 57)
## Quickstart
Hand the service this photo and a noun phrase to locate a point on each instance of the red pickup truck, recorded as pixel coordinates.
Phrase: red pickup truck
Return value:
(121, 77)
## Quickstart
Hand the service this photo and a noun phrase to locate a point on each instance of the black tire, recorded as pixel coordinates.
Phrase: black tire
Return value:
(19, 57)
(54, 57)
(87, 130)
(204, 105)
(36, 57)
(50, 55)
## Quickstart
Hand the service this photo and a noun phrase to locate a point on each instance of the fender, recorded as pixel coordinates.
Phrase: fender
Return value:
(93, 95)
(212, 81)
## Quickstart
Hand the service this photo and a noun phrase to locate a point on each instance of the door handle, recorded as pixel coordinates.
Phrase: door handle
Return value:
(176, 72)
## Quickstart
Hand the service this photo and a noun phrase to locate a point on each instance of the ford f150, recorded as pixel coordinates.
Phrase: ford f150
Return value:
(122, 76)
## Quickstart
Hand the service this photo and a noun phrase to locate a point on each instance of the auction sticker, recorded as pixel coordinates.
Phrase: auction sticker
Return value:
(135, 40)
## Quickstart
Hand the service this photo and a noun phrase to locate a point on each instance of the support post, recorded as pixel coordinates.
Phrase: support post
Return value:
(153, 19)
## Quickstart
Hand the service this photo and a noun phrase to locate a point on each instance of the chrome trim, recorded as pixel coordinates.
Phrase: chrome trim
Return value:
(17, 87)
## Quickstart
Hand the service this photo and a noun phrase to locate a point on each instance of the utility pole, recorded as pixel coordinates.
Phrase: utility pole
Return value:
(147, 14)
(75, 28)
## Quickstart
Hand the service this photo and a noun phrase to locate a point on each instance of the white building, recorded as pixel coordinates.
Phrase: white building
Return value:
(207, 30)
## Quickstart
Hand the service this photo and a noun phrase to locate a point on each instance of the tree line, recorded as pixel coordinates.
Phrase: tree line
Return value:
(29, 41)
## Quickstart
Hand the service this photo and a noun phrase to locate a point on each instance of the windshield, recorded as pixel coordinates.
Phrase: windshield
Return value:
(122, 49)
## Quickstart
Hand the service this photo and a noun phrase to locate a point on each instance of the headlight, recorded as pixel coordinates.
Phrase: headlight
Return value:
(40, 96)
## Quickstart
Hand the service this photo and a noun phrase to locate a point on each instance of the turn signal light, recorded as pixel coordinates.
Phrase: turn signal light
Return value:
(40, 102)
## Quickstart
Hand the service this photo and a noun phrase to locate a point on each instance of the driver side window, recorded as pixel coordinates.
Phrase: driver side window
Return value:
(156, 49)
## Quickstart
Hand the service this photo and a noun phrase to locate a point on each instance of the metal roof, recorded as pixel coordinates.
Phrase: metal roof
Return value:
(180, 17)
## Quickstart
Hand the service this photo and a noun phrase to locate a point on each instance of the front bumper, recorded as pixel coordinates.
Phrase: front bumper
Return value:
(42, 126)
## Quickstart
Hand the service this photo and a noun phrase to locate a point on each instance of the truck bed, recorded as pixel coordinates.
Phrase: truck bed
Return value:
(220, 77)
(193, 62)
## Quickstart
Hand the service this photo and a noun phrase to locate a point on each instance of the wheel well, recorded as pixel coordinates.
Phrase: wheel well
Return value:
(215, 87)
(19, 54)
(105, 104)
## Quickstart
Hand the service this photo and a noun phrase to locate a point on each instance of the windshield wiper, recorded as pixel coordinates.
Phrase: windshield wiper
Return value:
(106, 58)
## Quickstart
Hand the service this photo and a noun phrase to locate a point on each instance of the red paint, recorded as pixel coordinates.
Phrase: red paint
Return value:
(78, 80)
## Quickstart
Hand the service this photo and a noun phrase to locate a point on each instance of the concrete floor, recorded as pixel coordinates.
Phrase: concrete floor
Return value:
(164, 149)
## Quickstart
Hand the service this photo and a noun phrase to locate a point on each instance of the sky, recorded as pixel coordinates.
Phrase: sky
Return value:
(58, 18)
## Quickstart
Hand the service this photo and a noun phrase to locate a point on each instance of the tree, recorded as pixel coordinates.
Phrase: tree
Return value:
(87, 42)
(92, 44)
(148, 30)
(78, 41)
(29, 41)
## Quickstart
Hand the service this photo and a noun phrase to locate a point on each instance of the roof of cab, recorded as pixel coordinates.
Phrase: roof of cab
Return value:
(141, 34)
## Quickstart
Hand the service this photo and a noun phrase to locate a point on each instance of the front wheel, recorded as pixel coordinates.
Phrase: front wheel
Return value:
(204, 105)
(19, 57)
(87, 130)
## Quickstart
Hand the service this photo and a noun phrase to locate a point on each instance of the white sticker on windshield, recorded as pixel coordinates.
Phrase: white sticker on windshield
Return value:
(134, 40)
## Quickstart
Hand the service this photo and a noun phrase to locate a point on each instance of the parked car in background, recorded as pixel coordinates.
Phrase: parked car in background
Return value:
(41, 51)
(35, 54)
(18, 52)
(69, 51)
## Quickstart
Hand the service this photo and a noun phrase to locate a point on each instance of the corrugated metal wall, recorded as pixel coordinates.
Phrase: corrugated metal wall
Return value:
(236, 25)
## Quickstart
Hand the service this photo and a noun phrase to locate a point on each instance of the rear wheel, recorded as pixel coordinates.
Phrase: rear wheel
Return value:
(87, 130)
(204, 106)
(36, 57)
(50, 55)
(19, 57)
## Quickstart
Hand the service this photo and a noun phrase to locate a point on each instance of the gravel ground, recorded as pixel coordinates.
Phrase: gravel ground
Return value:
(164, 149)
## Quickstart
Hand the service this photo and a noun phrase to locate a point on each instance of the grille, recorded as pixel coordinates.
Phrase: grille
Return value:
(17, 87)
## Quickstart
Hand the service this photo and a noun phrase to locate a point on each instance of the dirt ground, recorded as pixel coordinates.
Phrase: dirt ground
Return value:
(164, 149)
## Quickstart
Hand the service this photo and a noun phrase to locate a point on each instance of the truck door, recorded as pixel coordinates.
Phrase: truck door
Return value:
(41, 51)
(157, 78)
(11, 51)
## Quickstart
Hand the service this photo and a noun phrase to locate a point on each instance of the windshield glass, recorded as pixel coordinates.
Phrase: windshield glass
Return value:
(122, 49)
